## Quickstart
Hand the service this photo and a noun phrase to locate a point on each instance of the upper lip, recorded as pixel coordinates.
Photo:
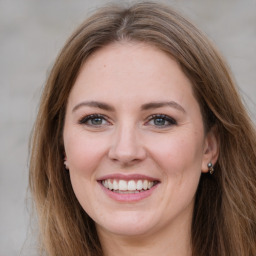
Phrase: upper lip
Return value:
(120, 176)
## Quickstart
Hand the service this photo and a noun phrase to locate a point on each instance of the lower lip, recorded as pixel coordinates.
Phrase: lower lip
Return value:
(129, 197)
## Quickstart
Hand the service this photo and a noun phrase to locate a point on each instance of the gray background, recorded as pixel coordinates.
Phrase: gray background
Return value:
(32, 33)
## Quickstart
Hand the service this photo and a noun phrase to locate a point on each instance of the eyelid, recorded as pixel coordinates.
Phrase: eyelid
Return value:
(168, 118)
(86, 118)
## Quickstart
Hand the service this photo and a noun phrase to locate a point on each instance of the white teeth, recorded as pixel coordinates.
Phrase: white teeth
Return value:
(115, 185)
(110, 185)
(150, 184)
(124, 186)
(139, 185)
(145, 184)
(131, 185)
(105, 183)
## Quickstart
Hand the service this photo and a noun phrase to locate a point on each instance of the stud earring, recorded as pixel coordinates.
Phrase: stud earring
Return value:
(210, 168)
(66, 164)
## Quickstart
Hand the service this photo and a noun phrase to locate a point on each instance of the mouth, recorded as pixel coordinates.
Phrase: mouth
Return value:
(133, 186)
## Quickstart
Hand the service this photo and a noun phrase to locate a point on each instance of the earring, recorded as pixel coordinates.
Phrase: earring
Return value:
(66, 164)
(210, 168)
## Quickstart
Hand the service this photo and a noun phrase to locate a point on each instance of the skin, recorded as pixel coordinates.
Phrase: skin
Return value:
(128, 140)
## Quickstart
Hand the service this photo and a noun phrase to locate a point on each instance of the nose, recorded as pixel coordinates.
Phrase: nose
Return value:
(127, 147)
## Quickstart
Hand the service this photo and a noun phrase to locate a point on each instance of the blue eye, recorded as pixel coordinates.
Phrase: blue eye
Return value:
(161, 121)
(94, 120)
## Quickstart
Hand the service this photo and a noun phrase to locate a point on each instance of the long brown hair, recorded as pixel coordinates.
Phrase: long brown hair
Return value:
(224, 220)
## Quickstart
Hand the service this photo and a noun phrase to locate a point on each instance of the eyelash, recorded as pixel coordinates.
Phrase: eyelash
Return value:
(89, 118)
(85, 120)
(171, 121)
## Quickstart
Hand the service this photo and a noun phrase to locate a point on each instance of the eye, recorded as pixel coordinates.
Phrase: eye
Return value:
(95, 120)
(161, 121)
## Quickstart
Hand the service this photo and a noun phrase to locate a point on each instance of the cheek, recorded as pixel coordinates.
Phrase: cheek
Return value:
(179, 153)
(180, 159)
(83, 153)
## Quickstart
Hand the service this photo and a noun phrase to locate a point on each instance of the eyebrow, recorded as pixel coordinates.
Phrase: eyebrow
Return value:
(94, 104)
(147, 106)
(153, 105)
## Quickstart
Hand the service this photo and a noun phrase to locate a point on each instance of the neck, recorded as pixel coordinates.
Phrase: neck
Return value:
(165, 242)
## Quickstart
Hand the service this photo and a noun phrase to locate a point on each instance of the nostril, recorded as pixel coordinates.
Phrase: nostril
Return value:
(127, 155)
(125, 161)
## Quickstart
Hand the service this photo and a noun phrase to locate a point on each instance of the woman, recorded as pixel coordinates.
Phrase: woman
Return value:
(142, 145)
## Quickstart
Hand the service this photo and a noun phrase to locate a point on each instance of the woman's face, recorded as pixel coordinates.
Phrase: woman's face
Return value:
(134, 140)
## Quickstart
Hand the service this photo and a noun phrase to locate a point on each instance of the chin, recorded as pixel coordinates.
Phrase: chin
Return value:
(127, 225)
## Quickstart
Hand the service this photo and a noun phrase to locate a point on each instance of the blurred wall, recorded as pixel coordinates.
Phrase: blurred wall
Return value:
(32, 33)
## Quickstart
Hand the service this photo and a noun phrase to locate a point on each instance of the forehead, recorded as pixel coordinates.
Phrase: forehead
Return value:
(122, 57)
(131, 69)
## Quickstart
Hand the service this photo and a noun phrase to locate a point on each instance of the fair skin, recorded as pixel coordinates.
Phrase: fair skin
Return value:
(132, 119)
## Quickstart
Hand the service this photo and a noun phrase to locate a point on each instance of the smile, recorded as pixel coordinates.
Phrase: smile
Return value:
(128, 186)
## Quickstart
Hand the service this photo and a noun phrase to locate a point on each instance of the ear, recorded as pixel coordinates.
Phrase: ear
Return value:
(211, 149)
